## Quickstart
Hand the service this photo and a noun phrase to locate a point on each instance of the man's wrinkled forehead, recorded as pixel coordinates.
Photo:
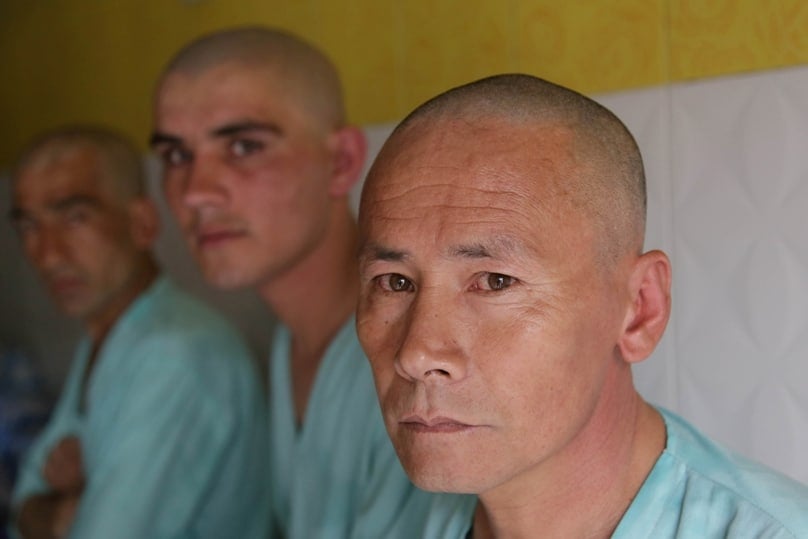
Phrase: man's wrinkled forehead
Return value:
(489, 153)
(491, 175)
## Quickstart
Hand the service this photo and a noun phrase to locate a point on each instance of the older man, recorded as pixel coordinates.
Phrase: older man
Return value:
(504, 297)
(160, 428)
(258, 162)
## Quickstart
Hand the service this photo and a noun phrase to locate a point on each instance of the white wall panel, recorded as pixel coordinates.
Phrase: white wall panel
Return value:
(734, 188)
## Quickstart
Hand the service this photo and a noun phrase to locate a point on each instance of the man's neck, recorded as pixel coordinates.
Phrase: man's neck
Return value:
(584, 490)
(317, 296)
(314, 300)
(99, 327)
(100, 324)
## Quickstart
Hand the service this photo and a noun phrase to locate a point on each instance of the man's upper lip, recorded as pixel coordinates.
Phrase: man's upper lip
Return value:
(62, 281)
(432, 421)
(213, 234)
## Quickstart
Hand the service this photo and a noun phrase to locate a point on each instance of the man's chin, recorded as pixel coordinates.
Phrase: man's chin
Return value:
(71, 303)
(438, 474)
(228, 281)
(434, 480)
(228, 278)
(72, 310)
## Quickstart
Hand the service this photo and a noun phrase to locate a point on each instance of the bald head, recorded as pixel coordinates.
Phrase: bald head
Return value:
(118, 161)
(303, 70)
(609, 181)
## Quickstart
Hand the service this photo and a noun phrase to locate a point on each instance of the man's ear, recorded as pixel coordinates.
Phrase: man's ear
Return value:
(648, 313)
(144, 222)
(349, 153)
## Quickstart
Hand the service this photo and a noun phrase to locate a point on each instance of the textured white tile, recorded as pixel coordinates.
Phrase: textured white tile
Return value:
(738, 237)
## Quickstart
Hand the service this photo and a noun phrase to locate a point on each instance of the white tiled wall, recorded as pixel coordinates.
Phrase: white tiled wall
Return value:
(733, 182)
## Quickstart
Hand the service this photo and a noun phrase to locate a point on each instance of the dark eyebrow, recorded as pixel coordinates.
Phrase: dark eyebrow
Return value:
(75, 200)
(17, 213)
(499, 246)
(157, 138)
(374, 251)
(247, 126)
(476, 250)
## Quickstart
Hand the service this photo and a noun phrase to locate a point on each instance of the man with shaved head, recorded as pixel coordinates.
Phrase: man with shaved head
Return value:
(258, 164)
(160, 429)
(504, 298)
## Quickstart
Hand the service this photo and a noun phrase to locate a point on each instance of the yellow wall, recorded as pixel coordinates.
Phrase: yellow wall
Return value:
(96, 60)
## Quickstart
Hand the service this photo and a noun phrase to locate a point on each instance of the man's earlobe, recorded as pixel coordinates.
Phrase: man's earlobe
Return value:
(350, 152)
(144, 222)
(647, 316)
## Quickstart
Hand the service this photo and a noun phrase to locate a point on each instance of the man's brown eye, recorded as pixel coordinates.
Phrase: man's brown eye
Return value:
(394, 282)
(398, 283)
(498, 281)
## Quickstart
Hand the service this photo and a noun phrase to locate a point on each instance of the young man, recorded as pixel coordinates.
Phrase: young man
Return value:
(504, 298)
(258, 163)
(160, 429)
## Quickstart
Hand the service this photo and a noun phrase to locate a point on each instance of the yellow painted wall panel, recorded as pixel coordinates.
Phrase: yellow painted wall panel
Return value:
(594, 46)
(794, 32)
(358, 36)
(444, 44)
(728, 36)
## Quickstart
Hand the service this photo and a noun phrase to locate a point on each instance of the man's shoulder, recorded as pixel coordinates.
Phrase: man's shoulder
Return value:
(169, 307)
(726, 468)
(699, 487)
(167, 312)
(169, 327)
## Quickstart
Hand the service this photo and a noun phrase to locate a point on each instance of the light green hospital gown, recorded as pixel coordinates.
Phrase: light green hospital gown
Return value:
(174, 430)
(337, 476)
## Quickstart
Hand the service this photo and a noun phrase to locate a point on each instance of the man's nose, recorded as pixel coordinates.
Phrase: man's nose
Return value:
(431, 348)
(205, 184)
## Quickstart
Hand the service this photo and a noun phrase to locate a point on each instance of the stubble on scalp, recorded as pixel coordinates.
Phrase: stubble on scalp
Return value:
(610, 181)
(119, 164)
(303, 70)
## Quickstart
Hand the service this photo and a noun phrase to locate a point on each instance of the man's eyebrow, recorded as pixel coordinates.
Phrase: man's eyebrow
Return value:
(74, 200)
(157, 138)
(374, 251)
(501, 246)
(476, 250)
(496, 247)
(18, 213)
(241, 127)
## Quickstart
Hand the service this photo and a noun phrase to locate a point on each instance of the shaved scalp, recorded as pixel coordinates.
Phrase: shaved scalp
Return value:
(119, 161)
(611, 184)
(290, 60)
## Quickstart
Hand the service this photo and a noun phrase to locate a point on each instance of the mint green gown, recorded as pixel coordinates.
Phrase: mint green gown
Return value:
(173, 428)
